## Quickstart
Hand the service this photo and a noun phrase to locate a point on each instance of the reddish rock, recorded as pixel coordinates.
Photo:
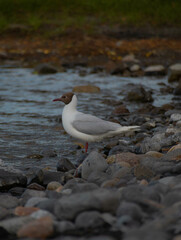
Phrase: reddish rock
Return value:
(131, 158)
(25, 211)
(36, 186)
(41, 228)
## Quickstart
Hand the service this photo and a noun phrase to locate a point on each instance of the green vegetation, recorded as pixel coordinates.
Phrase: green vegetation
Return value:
(58, 15)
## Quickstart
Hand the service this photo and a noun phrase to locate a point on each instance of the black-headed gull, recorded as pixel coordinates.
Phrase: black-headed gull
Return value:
(86, 127)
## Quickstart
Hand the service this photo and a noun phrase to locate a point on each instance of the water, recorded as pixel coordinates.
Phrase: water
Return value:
(30, 121)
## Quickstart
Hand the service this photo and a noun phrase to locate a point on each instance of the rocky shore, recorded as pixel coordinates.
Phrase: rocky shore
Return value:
(130, 188)
(131, 191)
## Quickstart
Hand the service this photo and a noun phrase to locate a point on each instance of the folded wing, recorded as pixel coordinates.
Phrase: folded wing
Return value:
(92, 125)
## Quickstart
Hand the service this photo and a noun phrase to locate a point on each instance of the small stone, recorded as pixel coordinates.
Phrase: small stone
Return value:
(24, 211)
(155, 70)
(110, 183)
(50, 176)
(17, 191)
(64, 165)
(41, 213)
(29, 193)
(34, 175)
(12, 225)
(89, 219)
(175, 117)
(46, 68)
(93, 162)
(8, 201)
(135, 68)
(137, 93)
(154, 154)
(36, 186)
(59, 189)
(120, 110)
(64, 226)
(40, 228)
(130, 59)
(34, 201)
(9, 179)
(174, 73)
(143, 182)
(54, 185)
(178, 146)
(130, 158)
(141, 172)
(4, 213)
(87, 89)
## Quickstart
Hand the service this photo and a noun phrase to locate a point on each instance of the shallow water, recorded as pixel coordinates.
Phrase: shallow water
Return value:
(30, 121)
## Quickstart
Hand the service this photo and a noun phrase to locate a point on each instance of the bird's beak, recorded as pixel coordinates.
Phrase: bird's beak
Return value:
(57, 99)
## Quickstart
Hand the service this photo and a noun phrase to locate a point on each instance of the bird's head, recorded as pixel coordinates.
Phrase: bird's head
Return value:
(66, 98)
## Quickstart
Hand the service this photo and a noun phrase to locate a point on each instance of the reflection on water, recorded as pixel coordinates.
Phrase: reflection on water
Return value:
(30, 121)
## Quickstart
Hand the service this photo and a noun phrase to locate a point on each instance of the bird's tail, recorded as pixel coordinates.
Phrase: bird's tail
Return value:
(126, 129)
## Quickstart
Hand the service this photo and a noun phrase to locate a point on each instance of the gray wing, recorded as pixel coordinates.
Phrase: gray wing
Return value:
(92, 125)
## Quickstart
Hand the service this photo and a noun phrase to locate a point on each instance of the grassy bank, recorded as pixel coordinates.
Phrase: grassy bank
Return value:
(58, 15)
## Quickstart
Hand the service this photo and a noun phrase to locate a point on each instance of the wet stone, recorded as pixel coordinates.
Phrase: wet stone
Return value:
(34, 175)
(32, 202)
(64, 165)
(174, 73)
(11, 179)
(50, 176)
(46, 68)
(155, 70)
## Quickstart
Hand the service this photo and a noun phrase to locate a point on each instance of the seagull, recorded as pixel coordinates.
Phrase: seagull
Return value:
(86, 127)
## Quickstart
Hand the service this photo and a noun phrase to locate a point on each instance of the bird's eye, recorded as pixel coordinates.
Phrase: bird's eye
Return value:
(63, 96)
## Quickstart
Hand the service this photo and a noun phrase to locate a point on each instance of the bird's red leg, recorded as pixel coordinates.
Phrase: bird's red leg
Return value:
(86, 146)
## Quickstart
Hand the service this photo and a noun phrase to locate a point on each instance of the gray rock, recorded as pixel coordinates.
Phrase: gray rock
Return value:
(32, 202)
(46, 68)
(137, 93)
(12, 225)
(41, 213)
(93, 162)
(98, 177)
(131, 209)
(17, 191)
(171, 198)
(50, 176)
(34, 175)
(100, 199)
(64, 165)
(64, 226)
(8, 201)
(81, 187)
(174, 73)
(116, 171)
(89, 219)
(146, 233)
(175, 117)
(29, 193)
(47, 205)
(9, 179)
(155, 70)
(3, 213)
